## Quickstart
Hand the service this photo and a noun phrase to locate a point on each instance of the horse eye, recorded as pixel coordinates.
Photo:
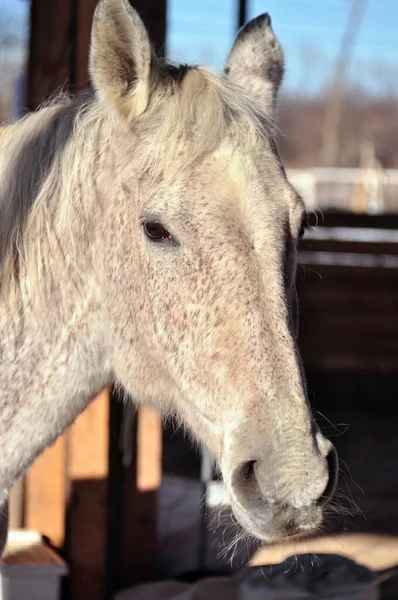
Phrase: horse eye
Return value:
(155, 231)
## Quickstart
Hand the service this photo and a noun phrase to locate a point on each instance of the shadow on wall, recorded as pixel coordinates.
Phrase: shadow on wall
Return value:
(361, 411)
(107, 547)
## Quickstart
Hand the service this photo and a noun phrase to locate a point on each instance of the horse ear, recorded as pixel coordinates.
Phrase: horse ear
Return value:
(121, 58)
(256, 61)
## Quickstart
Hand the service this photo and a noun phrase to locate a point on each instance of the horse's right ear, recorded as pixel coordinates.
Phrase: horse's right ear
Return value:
(121, 58)
(256, 61)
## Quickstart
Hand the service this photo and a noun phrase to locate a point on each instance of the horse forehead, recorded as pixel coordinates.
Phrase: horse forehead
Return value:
(247, 186)
(240, 166)
(231, 182)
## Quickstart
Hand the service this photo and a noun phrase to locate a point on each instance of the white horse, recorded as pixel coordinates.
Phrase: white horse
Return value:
(148, 237)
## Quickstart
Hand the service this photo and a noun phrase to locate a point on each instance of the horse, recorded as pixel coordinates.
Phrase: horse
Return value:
(148, 239)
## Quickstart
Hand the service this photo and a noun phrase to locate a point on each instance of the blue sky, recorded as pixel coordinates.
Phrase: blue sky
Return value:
(16, 10)
(202, 31)
(309, 30)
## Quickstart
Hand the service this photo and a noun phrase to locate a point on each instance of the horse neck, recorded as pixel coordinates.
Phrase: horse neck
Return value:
(48, 375)
(53, 359)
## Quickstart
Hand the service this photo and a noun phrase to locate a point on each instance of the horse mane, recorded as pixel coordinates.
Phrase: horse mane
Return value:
(196, 104)
(31, 154)
(42, 153)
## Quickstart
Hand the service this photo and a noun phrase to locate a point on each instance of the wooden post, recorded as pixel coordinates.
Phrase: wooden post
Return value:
(87, 511)
(85, 11)
(60, 39)
(154, 15)
(45, 494)
(59, 47)
(139, 511)
(242, 13)
(134, 479)
(50, 51)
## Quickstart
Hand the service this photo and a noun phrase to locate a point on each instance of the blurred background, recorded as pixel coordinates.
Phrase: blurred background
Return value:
(338, 105)
(124, 498)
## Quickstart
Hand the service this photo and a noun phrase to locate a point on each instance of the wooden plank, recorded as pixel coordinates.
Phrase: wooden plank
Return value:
(339, 362)
(357, 247)
(87, 470)
(374, 300)
(45, 493)
(348, 316)
(338, 276)
(343, 219)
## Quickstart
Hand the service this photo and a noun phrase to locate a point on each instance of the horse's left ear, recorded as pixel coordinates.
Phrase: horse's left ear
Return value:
(256, 61)
(121, 58)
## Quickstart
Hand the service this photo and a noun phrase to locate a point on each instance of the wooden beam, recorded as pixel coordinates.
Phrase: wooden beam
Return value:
(154, 15)
(139, 510)
(45, 493)
(242, 13)
(135, 474)
(59, 47)
(50, 50)
(149, 441)
(87, 471)
(60, 40)
(85, 12)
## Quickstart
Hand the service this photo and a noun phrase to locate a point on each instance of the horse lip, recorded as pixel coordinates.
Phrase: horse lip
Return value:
(278, 521)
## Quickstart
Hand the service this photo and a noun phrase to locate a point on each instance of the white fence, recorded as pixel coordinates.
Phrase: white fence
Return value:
(357, 190)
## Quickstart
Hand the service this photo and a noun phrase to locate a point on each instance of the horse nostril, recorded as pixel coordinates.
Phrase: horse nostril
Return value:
(247, 470)
(333, 464)
(245, 482)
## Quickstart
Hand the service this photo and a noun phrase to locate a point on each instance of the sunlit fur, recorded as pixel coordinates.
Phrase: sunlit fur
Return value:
(45, 154)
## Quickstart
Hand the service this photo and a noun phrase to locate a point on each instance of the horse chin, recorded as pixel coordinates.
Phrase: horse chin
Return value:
(279, 524)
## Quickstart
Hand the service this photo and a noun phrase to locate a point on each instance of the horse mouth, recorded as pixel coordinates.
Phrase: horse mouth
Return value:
(280, 523)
